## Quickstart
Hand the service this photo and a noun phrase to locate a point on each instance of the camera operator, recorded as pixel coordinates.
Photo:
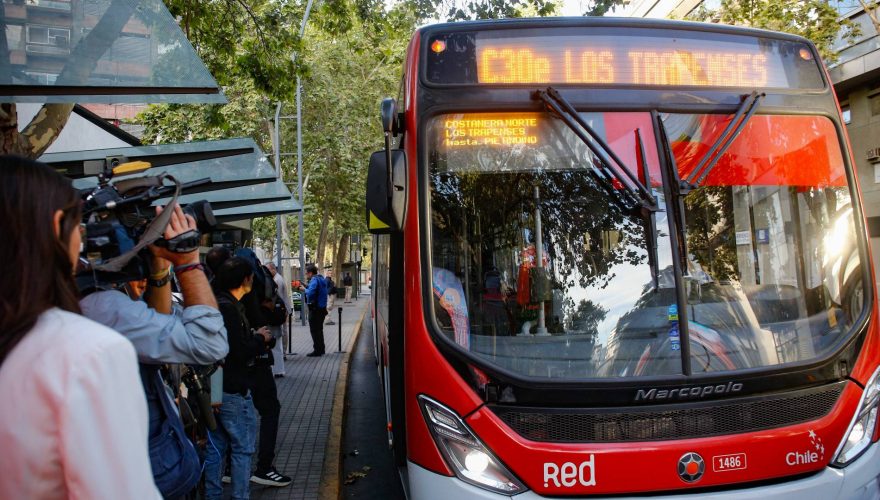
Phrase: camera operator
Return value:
(162, 333)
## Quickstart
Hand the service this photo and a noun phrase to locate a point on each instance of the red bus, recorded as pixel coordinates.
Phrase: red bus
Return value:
(622, 257)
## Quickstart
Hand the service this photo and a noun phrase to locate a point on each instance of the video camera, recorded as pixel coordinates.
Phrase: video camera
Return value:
(120, 222)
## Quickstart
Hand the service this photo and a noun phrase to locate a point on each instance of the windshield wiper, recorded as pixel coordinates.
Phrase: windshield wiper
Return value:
(675, 214)
(631, 184)
(637, 191)
(742, 116)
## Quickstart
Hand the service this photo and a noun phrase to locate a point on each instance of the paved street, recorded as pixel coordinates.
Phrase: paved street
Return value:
(307, 393)
(368, 468)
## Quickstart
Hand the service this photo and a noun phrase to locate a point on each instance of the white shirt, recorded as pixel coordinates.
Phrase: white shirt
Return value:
(282, 290)
(73, 422)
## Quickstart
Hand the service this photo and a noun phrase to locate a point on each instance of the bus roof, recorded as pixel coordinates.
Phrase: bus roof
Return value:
(607, 22)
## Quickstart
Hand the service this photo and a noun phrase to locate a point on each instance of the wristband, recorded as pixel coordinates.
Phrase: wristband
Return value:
(178, 270)
(161, 274)
(159, 282)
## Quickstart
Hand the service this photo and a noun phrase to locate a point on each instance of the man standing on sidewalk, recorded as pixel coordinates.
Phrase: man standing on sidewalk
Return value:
(316, 298)
(331, 293)
(236, 419)
(347, 282)
(265, 393)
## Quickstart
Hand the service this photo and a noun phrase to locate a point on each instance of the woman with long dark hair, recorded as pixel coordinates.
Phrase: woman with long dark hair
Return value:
(73, 422)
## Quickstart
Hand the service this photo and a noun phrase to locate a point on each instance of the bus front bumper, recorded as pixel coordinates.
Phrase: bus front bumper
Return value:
(859, 481)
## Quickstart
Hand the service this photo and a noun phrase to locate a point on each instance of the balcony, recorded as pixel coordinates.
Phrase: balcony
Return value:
(47, 50)
(53, 5)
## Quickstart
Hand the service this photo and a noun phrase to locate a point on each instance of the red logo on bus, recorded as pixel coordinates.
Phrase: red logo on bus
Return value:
(691, 467)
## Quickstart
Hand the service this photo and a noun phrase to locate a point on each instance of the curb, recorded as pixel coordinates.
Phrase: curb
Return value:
(331, 474)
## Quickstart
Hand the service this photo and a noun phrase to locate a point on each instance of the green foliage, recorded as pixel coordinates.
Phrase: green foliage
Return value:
(246, 114)
(709, 231)
(815, 20)
(245, 40)
(460, 10)
(355, 55)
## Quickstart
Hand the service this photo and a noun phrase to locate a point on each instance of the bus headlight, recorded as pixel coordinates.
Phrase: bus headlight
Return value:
(861, 430)
(471, 461)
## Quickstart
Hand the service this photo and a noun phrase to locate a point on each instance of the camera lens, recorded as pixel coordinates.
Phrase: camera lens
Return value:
(203, 214)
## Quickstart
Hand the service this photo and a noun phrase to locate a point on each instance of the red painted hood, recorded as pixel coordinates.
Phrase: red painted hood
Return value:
(608, 468)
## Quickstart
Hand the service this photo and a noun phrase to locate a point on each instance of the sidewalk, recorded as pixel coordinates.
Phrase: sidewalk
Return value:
(306, 393)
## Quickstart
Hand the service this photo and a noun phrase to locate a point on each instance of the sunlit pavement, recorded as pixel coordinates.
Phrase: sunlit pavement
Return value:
(306, 393)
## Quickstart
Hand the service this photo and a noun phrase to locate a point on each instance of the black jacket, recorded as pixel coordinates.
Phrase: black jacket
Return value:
(244, 346)
(256, 316)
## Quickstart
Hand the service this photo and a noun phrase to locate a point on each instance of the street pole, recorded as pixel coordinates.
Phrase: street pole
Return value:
(299, 165)
(279, 263)
(299, 186)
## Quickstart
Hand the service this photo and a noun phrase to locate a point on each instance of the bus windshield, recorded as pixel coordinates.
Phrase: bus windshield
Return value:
(541, 267)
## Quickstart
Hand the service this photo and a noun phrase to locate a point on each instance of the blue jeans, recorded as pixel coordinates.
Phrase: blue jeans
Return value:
(236, 429)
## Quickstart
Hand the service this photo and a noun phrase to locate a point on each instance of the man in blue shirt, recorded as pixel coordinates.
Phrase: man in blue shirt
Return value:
(316, 298)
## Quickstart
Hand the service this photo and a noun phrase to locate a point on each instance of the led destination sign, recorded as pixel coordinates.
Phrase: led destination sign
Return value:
(643, 57)
(496, 130)
(510, 64)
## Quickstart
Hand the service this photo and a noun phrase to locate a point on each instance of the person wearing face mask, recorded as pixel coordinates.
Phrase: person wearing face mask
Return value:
(74, 421)
(236, 420)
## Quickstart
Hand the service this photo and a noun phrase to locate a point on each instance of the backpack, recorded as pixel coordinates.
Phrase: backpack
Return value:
(331, 286)
(173, 458)
(278, 314)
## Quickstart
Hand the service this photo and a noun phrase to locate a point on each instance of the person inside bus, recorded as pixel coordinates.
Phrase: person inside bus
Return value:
(495, 313)
(75, 420)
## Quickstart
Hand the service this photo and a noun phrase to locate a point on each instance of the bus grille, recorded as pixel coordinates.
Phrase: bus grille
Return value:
(668, 422)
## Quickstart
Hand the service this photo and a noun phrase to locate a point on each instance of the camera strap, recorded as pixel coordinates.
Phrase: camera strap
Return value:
(154, 231)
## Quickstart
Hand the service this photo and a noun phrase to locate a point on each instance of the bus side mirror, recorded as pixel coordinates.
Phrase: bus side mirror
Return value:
(391, 119)
(386, 211)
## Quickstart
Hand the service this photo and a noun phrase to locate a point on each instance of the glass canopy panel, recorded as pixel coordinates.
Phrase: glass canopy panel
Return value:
(228, 163)
(98, 51)
(260, 210)
(240, 196)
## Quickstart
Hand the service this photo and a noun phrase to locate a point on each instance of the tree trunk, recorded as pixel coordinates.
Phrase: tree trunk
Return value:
(285, 250)
(334, 244)
(341, 252)
(322, 235)
(872, 15)
(44, 128)
(10, 139)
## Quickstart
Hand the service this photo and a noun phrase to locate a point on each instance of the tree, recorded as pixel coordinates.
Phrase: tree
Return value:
(815, 20)
(354, 54)
(871, 10)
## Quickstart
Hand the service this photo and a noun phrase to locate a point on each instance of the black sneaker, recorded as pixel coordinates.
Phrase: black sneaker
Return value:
(314, 354)
(270, 477)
